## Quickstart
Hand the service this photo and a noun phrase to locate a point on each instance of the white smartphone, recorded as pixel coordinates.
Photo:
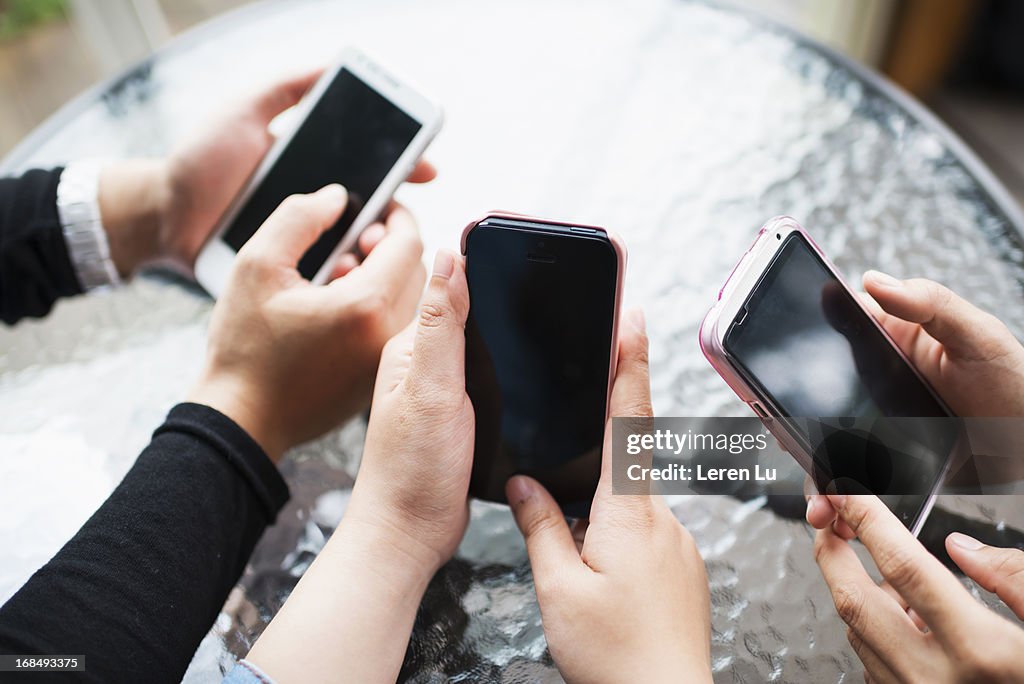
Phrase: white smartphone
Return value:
(358, 126)
(794, 342)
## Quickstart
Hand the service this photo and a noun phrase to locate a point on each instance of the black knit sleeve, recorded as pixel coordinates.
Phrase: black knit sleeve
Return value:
(140, 585)
(35, 269)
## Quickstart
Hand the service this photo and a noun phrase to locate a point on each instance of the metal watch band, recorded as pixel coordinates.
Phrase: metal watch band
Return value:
(79, 211)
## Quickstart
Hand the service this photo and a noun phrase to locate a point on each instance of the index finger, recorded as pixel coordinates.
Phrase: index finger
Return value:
(869, 612)
(961, 327)
(931, 590)
(387, 267)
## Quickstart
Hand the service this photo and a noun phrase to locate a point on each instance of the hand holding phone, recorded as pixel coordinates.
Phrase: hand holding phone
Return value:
(540, 352)
(924, 625)
(795, 343)
(359, 127)
(287, 361)
(162, 211)
(625, 598)
(408, 509)
(969, 356)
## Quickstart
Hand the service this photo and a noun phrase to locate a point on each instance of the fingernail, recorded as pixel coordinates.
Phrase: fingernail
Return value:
(883, 279)
(810, 505)
(637, 319)
(444, 263)
(965, 542)
(838, 501)
(519, 489)
(337, 192)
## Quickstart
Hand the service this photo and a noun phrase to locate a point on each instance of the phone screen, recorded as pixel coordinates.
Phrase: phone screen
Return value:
(538, 345)
(806, 342)
(354, 136)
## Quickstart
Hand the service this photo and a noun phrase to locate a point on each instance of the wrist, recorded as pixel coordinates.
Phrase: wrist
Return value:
(133, 195)
(363, 592)
(695, 664)
(401, 548)
(234, 400)
(701, 673)
(674, 670)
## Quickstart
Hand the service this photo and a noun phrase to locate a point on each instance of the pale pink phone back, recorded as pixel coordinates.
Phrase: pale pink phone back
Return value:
(711, 343)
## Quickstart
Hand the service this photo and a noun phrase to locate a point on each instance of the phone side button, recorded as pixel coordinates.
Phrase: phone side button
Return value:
(759, 410)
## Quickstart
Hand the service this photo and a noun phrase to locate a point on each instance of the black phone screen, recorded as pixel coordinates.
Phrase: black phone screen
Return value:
(538, 340)
(354, 136)
(815, 353)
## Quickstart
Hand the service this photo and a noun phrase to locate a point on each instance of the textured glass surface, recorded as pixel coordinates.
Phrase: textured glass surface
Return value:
(680, 125)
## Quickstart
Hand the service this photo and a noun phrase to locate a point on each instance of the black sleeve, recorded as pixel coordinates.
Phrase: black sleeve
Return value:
(35, 269)
(142, 582)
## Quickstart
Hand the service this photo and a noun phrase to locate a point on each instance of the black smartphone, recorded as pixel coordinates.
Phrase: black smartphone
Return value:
(795, 342)
(541, 345)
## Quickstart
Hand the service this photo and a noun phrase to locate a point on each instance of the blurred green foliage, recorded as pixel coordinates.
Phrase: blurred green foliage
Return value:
(16, 16)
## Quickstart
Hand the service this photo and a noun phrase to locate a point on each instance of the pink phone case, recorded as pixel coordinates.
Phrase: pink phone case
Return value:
(718, 357)
(620, 252)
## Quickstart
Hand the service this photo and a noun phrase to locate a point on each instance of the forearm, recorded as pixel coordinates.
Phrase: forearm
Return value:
(35, 268)
(350, 617)
(140, 584)
(38, 266)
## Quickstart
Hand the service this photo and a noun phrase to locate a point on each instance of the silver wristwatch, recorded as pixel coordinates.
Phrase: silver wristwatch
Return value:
(79, 210)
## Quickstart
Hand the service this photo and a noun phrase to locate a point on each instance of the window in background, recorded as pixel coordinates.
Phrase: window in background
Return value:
(858, 28)
(52, 50)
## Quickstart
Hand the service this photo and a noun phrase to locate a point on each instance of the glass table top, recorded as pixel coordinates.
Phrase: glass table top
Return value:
(681, 125)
